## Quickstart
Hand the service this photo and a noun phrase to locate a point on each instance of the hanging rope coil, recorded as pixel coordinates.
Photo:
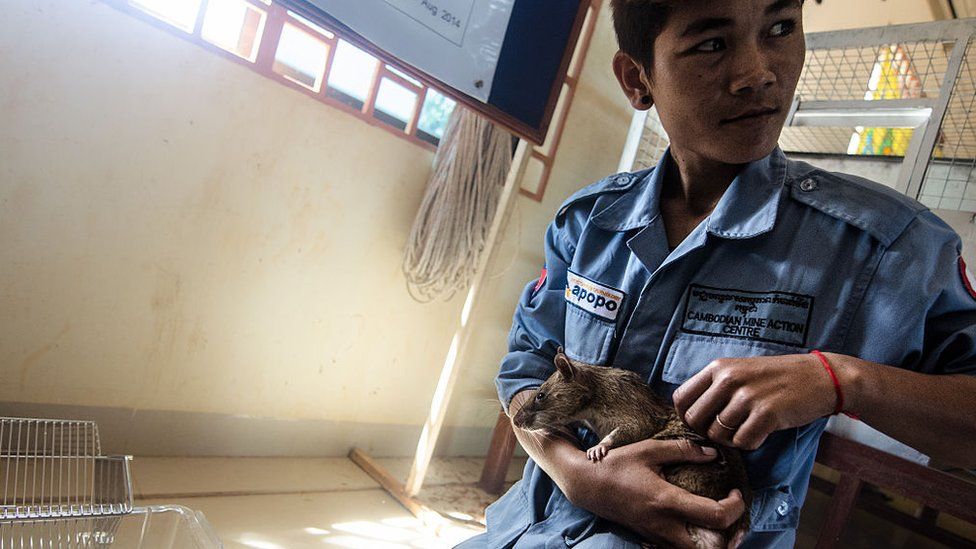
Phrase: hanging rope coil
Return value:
(455, 215)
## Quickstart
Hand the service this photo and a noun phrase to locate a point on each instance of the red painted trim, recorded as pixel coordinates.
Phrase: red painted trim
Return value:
(571, 81)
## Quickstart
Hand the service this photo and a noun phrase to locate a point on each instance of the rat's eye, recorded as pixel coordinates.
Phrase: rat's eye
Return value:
(540, 396)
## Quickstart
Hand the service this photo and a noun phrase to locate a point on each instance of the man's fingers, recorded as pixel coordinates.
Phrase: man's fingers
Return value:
(702, 413)
(753, 432)
(688, 393)
(680, 451)
(705, 512)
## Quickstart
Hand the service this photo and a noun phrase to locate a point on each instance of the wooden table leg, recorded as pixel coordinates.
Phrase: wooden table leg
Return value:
(841, 507)
(499, 456)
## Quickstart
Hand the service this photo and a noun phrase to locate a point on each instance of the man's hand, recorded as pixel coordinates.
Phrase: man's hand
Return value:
(626, 487)
(740, 401)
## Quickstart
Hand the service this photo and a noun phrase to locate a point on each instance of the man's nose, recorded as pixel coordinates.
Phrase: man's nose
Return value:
(751, 71)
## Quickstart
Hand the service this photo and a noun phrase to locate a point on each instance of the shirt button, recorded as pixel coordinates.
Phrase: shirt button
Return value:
(808, 185)
(783, 509)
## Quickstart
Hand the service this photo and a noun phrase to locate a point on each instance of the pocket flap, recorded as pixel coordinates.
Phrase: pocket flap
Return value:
(690, 353)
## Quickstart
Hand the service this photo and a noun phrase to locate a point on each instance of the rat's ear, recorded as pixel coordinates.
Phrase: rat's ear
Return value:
(565, 367)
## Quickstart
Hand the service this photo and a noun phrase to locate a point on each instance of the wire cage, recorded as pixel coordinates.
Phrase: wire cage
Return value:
(54, 468)
(59, 491)
(905, 93)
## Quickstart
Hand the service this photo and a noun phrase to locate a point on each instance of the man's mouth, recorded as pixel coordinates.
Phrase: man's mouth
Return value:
(751, 114)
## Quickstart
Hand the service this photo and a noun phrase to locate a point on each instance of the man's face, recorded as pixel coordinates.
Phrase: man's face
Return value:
(724, 74)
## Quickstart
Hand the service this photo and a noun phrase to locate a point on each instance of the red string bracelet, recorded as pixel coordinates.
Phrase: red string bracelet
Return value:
(833, 377)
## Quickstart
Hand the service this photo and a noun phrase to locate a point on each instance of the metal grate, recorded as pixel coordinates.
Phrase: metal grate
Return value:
(950, 180)
(846, 140)
(851, 73)
(904, 91)
(653, 142)
(54, 468)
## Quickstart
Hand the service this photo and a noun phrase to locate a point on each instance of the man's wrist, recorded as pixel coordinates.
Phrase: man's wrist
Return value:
(852, 374)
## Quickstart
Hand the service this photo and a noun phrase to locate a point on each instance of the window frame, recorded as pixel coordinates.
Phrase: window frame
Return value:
(275, 19)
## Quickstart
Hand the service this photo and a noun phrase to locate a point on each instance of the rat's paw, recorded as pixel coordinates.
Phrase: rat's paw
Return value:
(597, 452)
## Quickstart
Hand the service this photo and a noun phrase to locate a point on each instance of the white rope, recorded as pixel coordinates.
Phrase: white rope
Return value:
(462, 195)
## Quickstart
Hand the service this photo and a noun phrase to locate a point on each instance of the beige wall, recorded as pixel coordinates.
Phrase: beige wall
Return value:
(207, 262)
(854, 14)
(182, 234)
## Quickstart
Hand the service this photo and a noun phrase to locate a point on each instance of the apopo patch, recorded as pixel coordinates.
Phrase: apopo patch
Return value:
(593, 297)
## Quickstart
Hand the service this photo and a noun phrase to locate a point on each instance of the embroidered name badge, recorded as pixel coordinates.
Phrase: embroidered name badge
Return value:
(774, 317)
(593, 297)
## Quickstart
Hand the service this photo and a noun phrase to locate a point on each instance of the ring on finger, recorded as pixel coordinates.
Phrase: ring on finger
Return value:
(718, 419)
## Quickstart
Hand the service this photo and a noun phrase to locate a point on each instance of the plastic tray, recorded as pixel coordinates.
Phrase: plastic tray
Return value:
(153, 527)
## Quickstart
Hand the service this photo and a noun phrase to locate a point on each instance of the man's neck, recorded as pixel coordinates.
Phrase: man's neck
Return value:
(697, 182)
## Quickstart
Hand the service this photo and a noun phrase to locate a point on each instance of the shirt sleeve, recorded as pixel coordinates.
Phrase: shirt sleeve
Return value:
(919, 311)
(538, 323)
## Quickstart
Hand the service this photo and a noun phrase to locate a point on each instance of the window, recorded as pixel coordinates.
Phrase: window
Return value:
(301, 57)
(434, 116)
(308, 58)
(395, 104)
(234, 26)
(352, 74)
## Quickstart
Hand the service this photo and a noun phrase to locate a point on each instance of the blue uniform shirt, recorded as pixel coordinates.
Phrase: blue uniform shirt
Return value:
(792, 258)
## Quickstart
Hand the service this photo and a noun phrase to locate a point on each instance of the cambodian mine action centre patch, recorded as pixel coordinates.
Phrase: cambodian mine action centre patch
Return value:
(775, 317)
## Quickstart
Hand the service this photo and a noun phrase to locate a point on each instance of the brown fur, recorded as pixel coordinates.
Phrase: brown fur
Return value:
(605, 399)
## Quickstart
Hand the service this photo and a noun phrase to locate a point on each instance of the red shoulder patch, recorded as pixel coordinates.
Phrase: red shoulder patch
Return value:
(968, 280)
(542, 280)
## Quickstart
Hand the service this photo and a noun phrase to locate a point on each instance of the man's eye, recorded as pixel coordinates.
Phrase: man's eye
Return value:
(783, 28)
(540, 396)
(708, 46)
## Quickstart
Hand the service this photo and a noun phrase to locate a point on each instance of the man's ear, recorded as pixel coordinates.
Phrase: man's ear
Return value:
(565, 367)
(631, 77)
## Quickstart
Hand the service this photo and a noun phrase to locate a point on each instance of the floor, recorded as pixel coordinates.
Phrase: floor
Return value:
(285, 503)
(297, 503)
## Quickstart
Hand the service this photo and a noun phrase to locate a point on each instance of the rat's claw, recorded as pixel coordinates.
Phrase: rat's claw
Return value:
(596, 453)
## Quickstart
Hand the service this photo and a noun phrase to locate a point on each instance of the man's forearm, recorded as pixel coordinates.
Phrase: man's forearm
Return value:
(557, 456)
(935, 414)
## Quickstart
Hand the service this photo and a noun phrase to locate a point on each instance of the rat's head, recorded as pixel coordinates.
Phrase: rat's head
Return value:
(560, 400)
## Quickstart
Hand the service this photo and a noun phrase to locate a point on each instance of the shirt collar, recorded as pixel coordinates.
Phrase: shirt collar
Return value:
(747, 209)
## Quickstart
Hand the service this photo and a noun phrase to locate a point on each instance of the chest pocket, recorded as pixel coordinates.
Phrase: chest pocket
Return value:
(774, 508)
(587, 337)
(690, 353)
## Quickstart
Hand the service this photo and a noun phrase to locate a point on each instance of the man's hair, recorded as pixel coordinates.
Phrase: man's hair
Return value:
(638, 23)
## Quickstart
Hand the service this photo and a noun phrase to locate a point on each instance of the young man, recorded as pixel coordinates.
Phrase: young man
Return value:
(727, 265)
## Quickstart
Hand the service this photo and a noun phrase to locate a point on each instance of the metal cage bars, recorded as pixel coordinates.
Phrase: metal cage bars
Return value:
(54, 468)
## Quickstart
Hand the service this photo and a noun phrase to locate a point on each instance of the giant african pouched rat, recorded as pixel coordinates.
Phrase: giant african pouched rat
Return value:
(620, 408)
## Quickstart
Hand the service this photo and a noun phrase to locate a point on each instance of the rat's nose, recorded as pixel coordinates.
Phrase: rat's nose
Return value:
(523, 418)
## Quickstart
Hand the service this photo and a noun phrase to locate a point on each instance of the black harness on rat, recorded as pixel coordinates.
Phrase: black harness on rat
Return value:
(621, 409)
